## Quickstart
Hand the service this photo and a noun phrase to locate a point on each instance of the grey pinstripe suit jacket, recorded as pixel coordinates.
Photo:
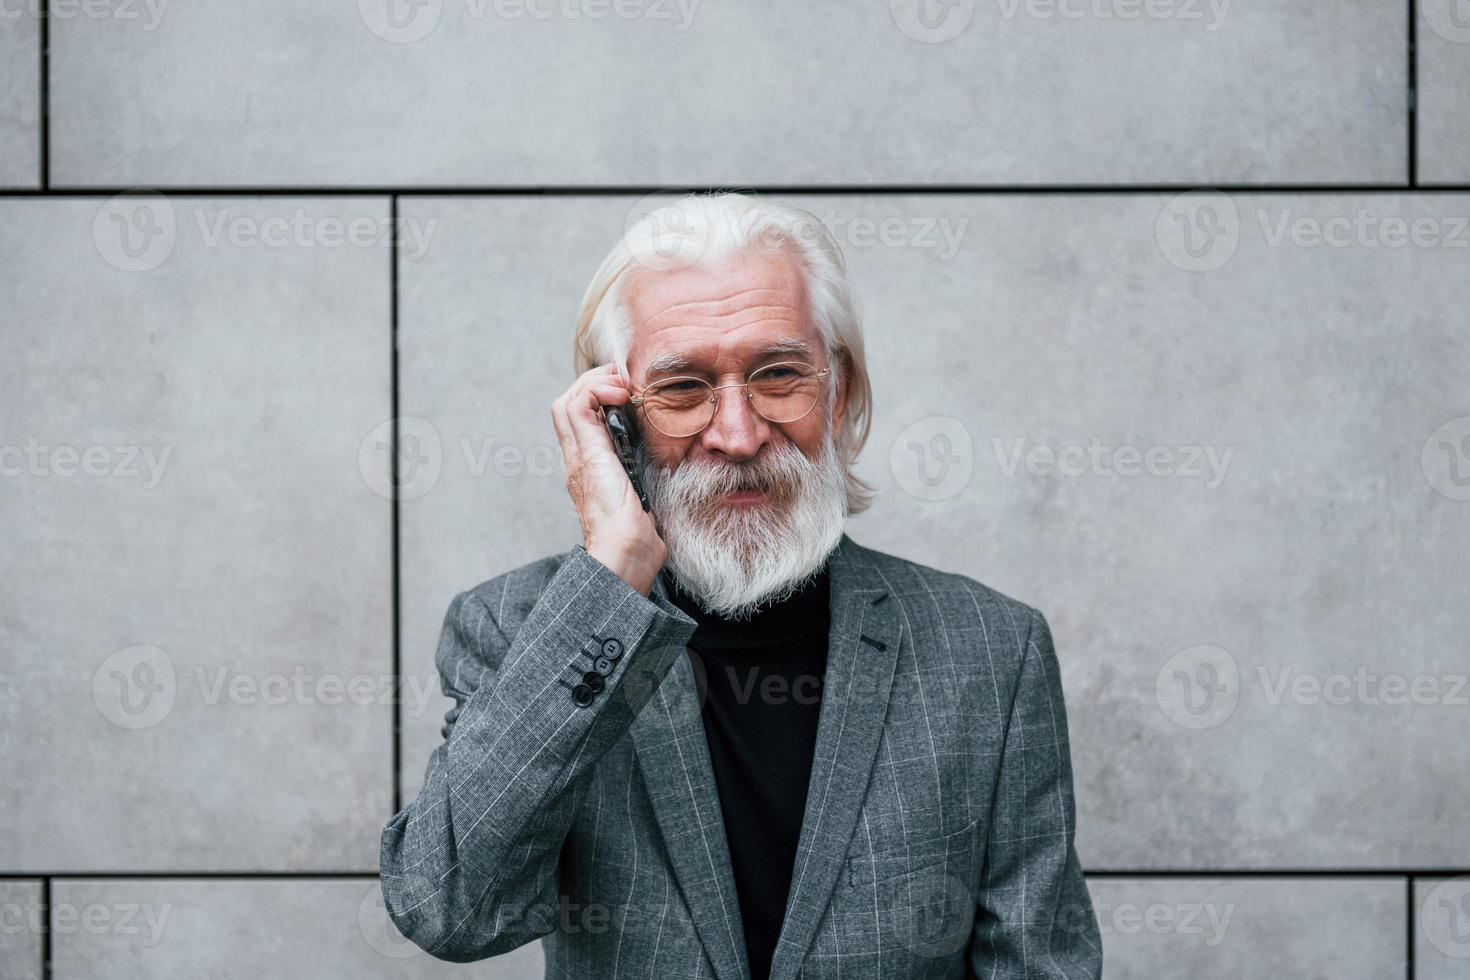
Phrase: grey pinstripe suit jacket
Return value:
(938, 833)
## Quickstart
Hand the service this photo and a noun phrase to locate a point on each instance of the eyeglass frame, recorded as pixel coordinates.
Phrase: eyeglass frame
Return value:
(637, 399)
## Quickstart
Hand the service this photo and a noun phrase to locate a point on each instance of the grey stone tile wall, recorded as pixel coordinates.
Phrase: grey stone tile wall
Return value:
(1222, 440)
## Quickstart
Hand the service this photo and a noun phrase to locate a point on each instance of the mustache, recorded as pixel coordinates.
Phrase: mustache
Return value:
(776, 471)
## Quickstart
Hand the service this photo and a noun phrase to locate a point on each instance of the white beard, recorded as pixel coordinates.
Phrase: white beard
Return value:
(733, 558)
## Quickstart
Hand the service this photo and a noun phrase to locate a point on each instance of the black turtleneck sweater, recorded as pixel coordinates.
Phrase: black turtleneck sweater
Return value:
(760, 681)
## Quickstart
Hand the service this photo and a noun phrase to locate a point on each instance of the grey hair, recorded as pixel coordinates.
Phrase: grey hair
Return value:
(703, 229)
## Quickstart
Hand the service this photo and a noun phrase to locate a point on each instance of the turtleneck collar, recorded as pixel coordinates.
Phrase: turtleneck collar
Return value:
(805, 611)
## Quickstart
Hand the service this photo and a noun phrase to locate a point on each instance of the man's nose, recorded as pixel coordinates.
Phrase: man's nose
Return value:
(737, 431)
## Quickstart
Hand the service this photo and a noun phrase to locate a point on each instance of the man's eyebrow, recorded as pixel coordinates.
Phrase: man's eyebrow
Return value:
(675, 362)
(786, 345)
(670, 362)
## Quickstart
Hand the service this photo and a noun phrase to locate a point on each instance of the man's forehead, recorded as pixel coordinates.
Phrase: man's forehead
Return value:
(739, 281)
(750, 305)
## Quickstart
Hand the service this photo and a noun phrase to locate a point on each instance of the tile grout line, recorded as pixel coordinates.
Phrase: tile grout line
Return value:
(1413, 70)
(393, 483)
(1409, 926)
(45, 107)
(46, 929)
(1180, 873)
(824, 190)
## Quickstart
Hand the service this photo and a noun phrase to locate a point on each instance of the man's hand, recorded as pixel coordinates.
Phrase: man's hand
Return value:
(615, 528)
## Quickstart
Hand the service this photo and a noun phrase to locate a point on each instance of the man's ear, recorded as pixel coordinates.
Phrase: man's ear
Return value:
(844, 376)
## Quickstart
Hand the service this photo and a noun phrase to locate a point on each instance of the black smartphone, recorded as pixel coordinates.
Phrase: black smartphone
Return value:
(625, 441)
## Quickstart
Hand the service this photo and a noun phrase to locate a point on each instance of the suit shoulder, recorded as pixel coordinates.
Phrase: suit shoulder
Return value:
(933, 599)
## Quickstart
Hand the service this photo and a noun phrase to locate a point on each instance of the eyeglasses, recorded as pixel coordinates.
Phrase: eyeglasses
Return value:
(780, 393)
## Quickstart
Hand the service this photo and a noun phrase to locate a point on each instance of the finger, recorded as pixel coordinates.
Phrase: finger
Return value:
(571, 455)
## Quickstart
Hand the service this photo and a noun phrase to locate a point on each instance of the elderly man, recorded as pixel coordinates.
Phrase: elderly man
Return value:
(718, 738)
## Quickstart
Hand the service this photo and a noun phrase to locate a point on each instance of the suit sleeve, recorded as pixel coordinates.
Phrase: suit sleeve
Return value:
(468, 869)
(1034, 916)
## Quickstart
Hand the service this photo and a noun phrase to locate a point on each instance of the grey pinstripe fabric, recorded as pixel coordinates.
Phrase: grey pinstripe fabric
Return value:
(938, 833)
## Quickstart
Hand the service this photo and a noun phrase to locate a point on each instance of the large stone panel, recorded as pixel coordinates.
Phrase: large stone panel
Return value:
(677, 92)
(327, 929)
(196, 625)
(1227, 928)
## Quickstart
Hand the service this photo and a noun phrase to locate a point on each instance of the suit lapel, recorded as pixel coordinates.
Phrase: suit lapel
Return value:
(673, 756)
(862, 649)
(668, 736)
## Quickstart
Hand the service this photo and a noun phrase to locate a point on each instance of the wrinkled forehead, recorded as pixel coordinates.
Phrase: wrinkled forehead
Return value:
(748, 305)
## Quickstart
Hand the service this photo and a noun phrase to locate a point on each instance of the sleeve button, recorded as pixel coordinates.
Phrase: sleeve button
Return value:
(583, 695)
(603, 666)
(594, 681)
(612, 648)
